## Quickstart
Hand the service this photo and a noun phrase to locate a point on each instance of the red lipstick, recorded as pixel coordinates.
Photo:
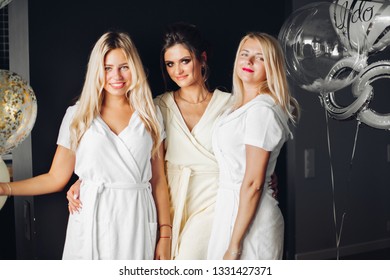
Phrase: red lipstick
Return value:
(248, 70)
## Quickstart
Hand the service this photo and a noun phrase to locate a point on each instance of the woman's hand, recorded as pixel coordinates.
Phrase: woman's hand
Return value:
(273, 184)
(73, 195)
(163, 249)
(232, 254)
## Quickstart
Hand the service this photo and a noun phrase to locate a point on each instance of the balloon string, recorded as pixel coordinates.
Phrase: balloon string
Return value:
(349, 179)
(338, 234)
(354, 148)
(350, 169)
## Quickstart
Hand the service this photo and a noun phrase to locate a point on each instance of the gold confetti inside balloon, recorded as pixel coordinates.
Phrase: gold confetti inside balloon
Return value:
(18, 110)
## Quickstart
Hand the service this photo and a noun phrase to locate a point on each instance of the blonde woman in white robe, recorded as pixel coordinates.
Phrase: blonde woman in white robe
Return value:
(247, 140)
(111, 138)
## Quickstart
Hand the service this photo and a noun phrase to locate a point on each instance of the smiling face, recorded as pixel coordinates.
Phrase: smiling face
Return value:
(182, 67)
(250, 63)
(117, 73)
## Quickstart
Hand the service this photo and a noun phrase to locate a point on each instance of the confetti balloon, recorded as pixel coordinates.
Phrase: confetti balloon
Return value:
(18, 110)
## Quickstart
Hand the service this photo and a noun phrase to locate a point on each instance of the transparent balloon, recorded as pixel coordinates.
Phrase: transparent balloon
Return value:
(322, 55)
(373, 17)
(18, 110)
(4, 3)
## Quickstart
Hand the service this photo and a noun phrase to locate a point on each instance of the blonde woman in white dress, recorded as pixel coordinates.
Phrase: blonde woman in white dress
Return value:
(247, 139)
(111, 138)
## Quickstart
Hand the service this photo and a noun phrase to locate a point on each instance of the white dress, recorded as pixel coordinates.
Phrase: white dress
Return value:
(192, 173)
(118, 219)
(259, 123)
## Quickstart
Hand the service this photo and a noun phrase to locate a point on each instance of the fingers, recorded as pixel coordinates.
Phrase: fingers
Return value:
(229, 256)
(273, 184)
(74, 204)
(275, 190)
(163, 249)
(73, 207)
(161, 257)
(274, 180)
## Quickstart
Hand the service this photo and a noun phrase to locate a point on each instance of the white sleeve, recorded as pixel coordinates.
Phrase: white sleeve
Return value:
(263, 128)
(64, 134)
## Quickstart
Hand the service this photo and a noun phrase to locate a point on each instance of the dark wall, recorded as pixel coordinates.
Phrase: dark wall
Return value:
(61, 36)
(7, 232)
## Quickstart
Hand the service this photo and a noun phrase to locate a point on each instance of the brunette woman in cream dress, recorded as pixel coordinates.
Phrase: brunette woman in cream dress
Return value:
(189, 115)
(192, 173)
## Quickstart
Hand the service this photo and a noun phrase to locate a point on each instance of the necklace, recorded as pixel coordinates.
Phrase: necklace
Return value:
(193, 103)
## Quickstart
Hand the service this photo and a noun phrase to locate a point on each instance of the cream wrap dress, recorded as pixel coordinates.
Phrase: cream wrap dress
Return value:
(192, 173)
(118, 219)
(263, 124)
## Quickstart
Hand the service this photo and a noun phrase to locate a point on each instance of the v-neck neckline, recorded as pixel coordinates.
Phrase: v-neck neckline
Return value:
(178, 112)
(123, 130)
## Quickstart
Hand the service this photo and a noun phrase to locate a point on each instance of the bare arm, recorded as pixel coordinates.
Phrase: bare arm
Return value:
(161, 197)
(53, 181)
(250, 193)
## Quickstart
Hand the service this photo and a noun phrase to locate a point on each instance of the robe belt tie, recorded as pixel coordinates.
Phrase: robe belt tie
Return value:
(97, 189)
(185, 175)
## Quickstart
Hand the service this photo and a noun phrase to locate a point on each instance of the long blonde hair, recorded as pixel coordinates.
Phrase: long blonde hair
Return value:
(138, 94)
(276, 81)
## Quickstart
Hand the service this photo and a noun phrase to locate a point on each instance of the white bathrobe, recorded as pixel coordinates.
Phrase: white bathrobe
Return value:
(118, 219)
(263, 124)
